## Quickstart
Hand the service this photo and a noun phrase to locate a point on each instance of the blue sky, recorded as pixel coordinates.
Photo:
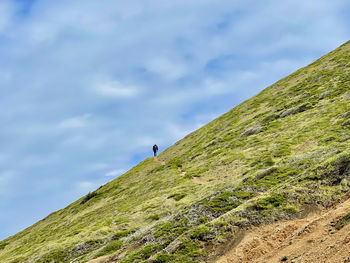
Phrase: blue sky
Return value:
(87, 87)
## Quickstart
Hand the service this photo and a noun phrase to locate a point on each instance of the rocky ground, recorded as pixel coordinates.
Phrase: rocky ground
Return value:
(315, 239)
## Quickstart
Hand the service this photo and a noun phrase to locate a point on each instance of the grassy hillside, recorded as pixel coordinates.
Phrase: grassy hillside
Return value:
(272, 157)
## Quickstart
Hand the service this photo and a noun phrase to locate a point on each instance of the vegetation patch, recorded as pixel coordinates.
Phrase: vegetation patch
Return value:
(88, 197)
(176, 162)
(200, 232)
(272, 177)
(296, 110)
(55, 255)
(243, 194)
(158, 169)
(177, 196)
(187, 251)
(122, 234)
(223, 202)
(197, 172)
(154, 217)
(264, 160)
(252, 130)
(265, 173)
(109, 248)
(168, 231)
(270, 202)
(84, 247)
(189, 247)
(3, 244)
(202, 220)
(142, 253)
(330, 173)
(343, 221)
(162, 257)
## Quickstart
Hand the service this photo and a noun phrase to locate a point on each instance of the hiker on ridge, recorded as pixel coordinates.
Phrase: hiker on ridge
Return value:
(155, 149)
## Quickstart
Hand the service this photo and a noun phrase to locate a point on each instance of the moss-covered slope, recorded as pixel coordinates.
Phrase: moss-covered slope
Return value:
(269, 158)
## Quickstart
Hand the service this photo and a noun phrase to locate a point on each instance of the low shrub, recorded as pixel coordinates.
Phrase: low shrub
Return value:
(3, 244)
(177, 196)
(110, 247)
(88, 197)
(223, 202)
(271, 202)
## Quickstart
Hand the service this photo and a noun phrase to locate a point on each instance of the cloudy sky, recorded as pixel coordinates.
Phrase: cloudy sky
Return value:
(87, 87)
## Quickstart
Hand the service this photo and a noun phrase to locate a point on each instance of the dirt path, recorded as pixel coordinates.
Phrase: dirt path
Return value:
(155, 158)
(199, 180)
(312, 239)
(196, 180)
(99, 260)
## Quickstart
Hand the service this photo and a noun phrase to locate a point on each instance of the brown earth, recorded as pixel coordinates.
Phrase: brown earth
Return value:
(99, 260)
(313, 239)
(198, 180)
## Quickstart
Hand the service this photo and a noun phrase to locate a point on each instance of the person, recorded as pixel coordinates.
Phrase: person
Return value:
(155, 149)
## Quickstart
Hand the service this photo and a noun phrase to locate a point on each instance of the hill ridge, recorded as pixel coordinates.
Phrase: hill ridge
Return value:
(269, 158)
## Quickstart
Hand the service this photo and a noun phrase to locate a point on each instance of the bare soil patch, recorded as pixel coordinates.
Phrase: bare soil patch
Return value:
(312, 239)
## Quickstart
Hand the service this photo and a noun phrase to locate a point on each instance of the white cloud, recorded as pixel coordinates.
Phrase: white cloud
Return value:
(40, 32)
(215, 87)
(115, 173)
(4, 158)
(167, 68)
(39, 160)
(5, 179)
(113, 88)
(146, 140)
(75, 122)
(177, 131)
(97, 167)
(7, 10)
(83, 187)
(86, 142)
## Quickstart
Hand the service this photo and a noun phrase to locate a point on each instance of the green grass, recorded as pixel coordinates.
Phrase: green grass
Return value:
(343, 221)
(3, 245)
(109, 248)
(223, 202)
(200, 232)
(271, 202)
(296, 155)
(177, 196)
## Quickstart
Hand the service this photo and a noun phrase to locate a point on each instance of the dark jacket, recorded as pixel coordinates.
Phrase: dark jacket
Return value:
(155, 148)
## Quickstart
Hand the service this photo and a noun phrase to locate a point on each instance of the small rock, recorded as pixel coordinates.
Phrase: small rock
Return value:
(252, 130)
(284, 258)
(325, 94)
(346, 123)
(346, 115)
(265, 173)
(296, 110)
(346, 95)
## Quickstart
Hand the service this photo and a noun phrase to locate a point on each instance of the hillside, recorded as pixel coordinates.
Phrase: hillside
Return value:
(276, 156)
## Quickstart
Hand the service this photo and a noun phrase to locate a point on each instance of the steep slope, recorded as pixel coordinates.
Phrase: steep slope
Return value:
(275, 156)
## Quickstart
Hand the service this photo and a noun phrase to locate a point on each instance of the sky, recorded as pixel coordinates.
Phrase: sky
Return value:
(87, 87)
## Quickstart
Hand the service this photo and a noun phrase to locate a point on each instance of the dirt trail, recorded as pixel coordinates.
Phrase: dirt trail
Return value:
(155, 158)
(199, 180)
(312, 239)
(196, 180)
(99, 260)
